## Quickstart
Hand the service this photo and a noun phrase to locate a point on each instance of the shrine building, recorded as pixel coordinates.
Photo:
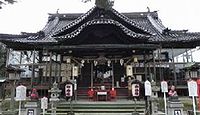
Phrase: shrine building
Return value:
(100, 49)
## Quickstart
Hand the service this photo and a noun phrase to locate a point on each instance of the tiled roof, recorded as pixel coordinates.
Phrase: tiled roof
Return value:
(150, 25)
(104, 21)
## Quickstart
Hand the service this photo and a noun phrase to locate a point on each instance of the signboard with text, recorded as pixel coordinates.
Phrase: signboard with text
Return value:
(148, 89)
(192, 88)
(44, 103)
(20, 93)
(164, 87)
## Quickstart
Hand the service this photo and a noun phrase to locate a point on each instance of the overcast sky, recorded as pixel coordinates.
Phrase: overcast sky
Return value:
(32, 15)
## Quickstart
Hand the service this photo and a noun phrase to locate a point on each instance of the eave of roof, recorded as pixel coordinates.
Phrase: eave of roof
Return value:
(147, 21)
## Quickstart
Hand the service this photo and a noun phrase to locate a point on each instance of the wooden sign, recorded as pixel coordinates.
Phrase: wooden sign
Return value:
(164, 87)
(20, 93)
(136, 90)
(147, 86)
(192, 88)
(44, 103)
(68, 90)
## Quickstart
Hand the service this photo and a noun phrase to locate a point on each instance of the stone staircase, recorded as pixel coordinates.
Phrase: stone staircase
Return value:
(122, 107)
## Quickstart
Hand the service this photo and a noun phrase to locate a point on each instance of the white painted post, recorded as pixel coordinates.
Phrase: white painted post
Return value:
(165, 102)
(194, 105)
(148, 92)
(44, 104)
(20, 103)
(192, 88)
(43, 111)
(164, 88)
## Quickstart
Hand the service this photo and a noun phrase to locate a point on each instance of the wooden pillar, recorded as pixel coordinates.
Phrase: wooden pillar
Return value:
(20, 59)
(159, 58)
(59, 71)
(145, 65)
(174, 68)
(50, 68)
(192, 60)
(46, 69)
(33, 69)
(41, 71)
(7, 56)
(12, 101)
(154, 67)
(149, 66)
(113, 77)
(92, 84)
(187, 55)
(56, 69)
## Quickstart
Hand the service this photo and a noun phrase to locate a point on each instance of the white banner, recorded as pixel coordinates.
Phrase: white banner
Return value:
(20, 93)
(192, 88)
(164, 87)
(148, 89)
(44, 103)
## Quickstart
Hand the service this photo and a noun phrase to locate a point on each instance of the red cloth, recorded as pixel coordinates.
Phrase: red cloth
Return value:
(91, 93)
(113, 94)
(34, 94)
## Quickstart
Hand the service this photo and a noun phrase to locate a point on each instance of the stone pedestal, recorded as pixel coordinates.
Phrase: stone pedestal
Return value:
(32, 108)
(175, 108)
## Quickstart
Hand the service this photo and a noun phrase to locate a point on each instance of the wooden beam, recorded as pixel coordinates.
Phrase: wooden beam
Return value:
(106, 46)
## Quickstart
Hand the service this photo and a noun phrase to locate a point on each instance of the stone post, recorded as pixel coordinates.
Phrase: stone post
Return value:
(154, 98)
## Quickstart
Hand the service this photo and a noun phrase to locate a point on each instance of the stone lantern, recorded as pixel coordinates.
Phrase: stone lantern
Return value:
(54, 98)
(13, 73)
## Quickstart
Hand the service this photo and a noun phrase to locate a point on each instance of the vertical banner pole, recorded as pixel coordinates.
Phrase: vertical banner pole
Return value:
(164, 89)
(194, 106)
(43, 111)
(148, 105)
(165, 101)
(19, 108)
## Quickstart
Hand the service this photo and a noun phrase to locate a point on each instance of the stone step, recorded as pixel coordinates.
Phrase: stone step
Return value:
(98, 110)
(95, 114)
(98, 107)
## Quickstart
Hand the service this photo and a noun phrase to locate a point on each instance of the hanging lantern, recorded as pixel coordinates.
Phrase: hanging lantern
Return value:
(82, 62)
(129, 70)
(95, 63)
(135, 59)
(68, 60)
(75, 71)
(109, 62)
(121, 62)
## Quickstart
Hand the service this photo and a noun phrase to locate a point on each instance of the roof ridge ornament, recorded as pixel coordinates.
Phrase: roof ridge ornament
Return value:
(148, 9)
(104, 4)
